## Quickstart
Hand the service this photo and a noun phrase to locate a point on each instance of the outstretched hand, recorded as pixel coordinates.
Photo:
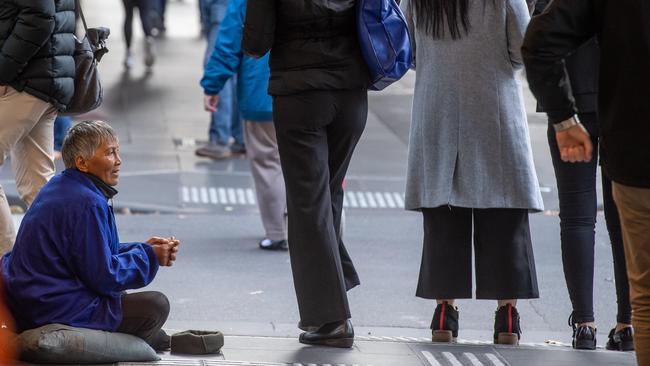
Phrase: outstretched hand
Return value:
(575, 145)
(165, 249)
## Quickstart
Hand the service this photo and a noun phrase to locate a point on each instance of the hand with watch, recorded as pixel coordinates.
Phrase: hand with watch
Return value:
(574, 141)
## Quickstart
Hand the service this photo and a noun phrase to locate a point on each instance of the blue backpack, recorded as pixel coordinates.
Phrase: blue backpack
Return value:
(384, 39)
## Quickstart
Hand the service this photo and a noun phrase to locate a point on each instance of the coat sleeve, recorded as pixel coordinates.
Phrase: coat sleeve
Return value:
(552, 36)
(517, 19)
(34, 26)
(133, 266)
(227, 55)
(407, 10)
(259, 28)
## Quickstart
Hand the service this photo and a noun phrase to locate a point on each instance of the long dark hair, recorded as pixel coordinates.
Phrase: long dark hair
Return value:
(433, 14)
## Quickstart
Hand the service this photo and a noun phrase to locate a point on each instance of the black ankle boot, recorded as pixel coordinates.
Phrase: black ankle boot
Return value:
(584, 336)
(444, 325)
(622, 340)
(336, 334)
(506, 325)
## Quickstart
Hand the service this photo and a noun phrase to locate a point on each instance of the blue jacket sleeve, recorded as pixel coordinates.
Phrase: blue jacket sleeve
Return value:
(133, 266)
(226, 56)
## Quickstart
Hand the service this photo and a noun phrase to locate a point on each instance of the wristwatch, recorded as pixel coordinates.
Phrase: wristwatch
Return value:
(566, 124)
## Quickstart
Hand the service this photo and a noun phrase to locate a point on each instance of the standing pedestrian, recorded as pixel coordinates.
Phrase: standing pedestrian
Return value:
(225, 122)
(470, 163)
(577, 194)
(624, 38)
(255, 107)
(147, 11)
(319, 86)
(37, 79)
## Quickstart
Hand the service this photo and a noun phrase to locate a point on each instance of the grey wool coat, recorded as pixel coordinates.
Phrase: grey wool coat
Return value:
(469, 141)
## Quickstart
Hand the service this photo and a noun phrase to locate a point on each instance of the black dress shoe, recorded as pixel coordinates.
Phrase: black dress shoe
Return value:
(336, 334)
(622, 340)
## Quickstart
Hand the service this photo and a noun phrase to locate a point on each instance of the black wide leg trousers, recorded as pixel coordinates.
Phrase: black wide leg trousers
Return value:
(317, 133)
(503, 252)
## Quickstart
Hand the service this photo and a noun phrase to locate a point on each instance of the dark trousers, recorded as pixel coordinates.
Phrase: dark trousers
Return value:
(578, 206)
(317, 132)
(505, 266)
(143, 315)
(146, 10)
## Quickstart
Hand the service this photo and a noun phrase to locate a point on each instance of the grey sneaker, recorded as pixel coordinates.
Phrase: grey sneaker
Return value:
(237, 148)
(214, 151)
(149, 52)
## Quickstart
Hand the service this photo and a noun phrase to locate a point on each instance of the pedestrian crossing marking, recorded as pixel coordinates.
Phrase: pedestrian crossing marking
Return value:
(430, 358)
(232, 196)
(494, 359)
(452, 359)
(472, 359)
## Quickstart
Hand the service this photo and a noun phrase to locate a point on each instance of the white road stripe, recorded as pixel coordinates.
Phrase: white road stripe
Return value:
(452, 359)
(380, 200)
(472, 359)
(213, 195)
(362, 200)
(222, 196)
(232, 196)
(430, 359)
(204, 195)
(185, 192)
(495, 361)
(195, 195)
(389, 200)
(241, 196)
(250, 196)
(371, 200)
(353, 200)
(398, 199)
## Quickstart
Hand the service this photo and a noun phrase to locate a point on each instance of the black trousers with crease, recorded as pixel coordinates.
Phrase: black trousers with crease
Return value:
(317, 133)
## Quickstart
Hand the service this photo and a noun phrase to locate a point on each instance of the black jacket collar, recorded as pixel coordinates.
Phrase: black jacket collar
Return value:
(108, 191)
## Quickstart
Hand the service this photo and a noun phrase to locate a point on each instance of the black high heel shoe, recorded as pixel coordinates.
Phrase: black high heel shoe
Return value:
(336, 334)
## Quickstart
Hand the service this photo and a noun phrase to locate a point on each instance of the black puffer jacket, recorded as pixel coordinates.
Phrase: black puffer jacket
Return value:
(36, 48)
(313, 44)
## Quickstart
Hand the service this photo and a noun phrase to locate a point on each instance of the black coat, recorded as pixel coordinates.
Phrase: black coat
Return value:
(623, 32)
(313, 44)
(582, 67)
(36, 47)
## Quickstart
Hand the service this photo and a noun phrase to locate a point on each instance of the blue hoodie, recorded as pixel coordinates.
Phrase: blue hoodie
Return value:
(228, 60)
(68, 265)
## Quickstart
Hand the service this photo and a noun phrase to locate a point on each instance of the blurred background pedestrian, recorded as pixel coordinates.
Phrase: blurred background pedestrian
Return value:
(147, 12)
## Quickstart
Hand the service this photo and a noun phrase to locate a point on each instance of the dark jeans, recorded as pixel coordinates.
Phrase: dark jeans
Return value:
(505, 265)
(576, 183)
(147, 11)
(317, 132)
(61, 126)
(144, 314)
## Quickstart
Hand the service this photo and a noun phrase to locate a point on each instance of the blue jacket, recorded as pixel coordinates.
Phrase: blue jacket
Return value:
(227, 60)
(67, 265)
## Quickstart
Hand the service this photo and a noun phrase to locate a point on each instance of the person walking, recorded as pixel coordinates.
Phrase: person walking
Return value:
(577, 194)
(147, 12)
(225, 122)
(255, 106)
(319, 86)
(37, 80)
(470, 165)
(624, 38)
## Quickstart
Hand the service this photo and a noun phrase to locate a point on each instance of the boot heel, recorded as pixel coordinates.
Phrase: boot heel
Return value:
(508, 338)
(445, 336)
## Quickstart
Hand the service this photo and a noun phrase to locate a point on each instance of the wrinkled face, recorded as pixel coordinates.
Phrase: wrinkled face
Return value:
(105, 164)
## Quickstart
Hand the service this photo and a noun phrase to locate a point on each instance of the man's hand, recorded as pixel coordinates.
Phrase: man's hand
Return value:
(165, 249)
(575, 145)
(210, 102)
